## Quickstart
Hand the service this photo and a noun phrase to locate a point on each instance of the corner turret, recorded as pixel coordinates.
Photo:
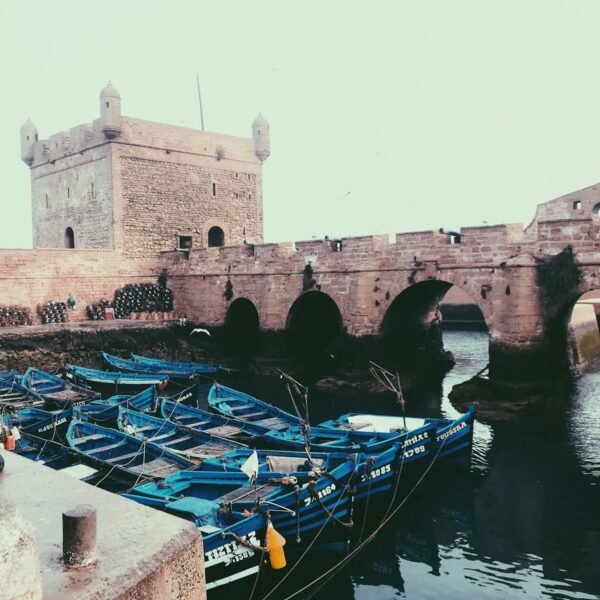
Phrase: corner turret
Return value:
(29, 136)
(110, 111)
(260, 134)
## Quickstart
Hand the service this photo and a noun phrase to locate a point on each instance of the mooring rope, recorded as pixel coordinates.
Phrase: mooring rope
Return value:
(313, 541)
(326, 576)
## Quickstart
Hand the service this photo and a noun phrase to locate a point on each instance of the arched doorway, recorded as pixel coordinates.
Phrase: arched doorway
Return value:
(69, 238)
(241, 328)
(216, 237)
(314, 325)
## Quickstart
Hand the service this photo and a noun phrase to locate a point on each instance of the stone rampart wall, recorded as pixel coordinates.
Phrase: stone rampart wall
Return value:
(32, 277)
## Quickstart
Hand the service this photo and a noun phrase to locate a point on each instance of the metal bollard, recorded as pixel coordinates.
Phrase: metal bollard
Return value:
(79, 536)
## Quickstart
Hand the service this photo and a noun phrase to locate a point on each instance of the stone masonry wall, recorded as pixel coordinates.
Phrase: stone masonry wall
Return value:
(73, 191)
(32, 277)
(163, 200)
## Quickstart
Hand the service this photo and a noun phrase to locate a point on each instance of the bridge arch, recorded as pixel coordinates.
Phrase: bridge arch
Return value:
(411, 327)
(242, 327)
(313, 325)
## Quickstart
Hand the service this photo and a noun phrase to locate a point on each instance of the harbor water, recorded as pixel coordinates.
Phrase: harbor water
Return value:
(523, 523)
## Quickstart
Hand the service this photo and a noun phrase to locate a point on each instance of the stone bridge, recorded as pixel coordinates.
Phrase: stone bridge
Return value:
(525, 281)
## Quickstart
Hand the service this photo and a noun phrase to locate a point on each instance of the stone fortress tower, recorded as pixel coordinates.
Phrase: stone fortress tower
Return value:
(141, 187)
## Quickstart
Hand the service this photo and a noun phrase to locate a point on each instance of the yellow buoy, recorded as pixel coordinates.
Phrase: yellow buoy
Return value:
(275, 544)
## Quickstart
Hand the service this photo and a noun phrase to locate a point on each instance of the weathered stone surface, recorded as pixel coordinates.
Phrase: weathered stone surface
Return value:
(19, 564)
(142, 553)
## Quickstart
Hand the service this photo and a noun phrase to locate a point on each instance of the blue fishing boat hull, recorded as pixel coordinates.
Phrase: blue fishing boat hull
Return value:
(57, 393)
(110, 451)
(378, 476)
(453, 438)
(238, 405)
(14, 396)
(228, 547)
(114, 382)
(131, 366)
(318, 510)
(332, 440)
(172, 366)
(200, 420)
(43, 424)
(194, 445)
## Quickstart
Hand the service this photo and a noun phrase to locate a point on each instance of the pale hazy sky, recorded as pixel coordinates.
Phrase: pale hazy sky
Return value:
(430, 113)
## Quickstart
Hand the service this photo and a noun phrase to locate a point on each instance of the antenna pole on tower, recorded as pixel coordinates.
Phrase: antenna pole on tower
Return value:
(200, 101)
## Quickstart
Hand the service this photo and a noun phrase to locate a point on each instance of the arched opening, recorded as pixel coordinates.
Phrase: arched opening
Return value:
(241, 328)
(412, 328)
(314, 325)
(69, 238)
(583, 334)
(216, 237)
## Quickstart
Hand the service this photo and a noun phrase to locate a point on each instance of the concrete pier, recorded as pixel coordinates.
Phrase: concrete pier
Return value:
(141, 553)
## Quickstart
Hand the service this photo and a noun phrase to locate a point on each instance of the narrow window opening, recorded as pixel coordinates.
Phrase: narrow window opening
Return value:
(69, 238)
(68, 192)
(214, 189)
(185, 242)
(248, 175)
(36, 137)
(107, 104)
(47, 202)
(237, 195)
(27, 138)
(577, 205)
(92, 189)
(236, 175)
(249, 196)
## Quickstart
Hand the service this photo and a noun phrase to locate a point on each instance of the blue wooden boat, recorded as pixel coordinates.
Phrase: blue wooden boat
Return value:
(10, 375)
(228, 537)
(171, 365)
(453, 438)
(57, 393)
(397, 467)
(14, 396)
(311, 509)
(43, 424)
(105, 412)
(111, 451)
(201, 420)
(114, 381)
(337, 440)
(194, 445)
(232, 403)
(131, 366)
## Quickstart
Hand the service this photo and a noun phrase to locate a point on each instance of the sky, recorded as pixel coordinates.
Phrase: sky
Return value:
(385, 117)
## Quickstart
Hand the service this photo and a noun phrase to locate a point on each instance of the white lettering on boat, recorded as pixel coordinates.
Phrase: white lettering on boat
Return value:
(450, 432)
(231, 552)
(321, 493)
(52, 425)
(420, 437)
(185, 397)
(412, 451)
(378, 472)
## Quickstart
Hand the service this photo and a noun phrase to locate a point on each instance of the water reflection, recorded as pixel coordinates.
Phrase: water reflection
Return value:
(524, 523)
